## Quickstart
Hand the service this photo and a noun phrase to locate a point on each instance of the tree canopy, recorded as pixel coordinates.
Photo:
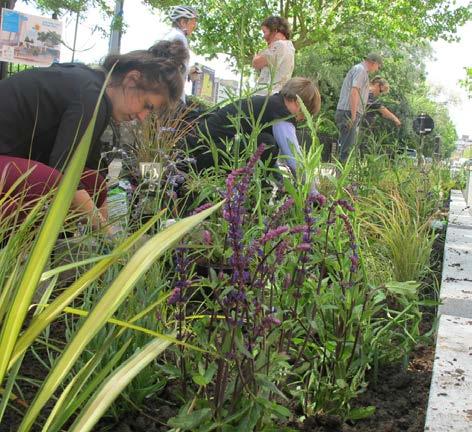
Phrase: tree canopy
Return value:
(233, 26)
(467, 81)
(59, 6)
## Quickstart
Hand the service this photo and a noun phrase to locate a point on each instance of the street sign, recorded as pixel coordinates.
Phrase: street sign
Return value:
(423, 124)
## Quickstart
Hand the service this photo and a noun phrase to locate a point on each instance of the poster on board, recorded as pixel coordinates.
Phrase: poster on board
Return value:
(204, 86)
(29, 39)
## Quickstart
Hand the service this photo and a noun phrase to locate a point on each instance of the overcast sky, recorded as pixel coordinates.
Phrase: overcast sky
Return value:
(144, 27)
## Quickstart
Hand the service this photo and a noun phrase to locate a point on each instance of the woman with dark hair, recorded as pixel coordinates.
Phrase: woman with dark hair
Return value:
(277, 61)
(45, 112)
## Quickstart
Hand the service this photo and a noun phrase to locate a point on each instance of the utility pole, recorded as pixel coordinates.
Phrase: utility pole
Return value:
(114, 45)
(74, 44)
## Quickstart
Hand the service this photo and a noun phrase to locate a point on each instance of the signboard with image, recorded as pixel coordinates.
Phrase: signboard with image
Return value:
(29, 39)
(204, 86)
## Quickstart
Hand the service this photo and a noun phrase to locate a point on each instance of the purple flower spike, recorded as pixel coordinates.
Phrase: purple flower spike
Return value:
(237, 185)
(175, 297)
(283, 209)
(319, 199)
(354, 262)
(298, 229)
(304, 247)
(202, 208)
(345, 205)
(207, 238)
(273, 234)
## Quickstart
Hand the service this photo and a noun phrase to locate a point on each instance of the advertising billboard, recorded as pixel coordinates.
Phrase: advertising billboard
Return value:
(29, 39)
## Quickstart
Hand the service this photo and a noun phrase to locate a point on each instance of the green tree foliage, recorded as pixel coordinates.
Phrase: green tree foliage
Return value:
(60, 6)
(467, 81)
(386, 22)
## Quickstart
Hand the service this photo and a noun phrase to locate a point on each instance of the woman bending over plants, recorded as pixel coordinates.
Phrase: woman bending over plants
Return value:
(273, 118)
(44, 114)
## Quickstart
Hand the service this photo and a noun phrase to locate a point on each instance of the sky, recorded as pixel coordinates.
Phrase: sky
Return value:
(144, 26)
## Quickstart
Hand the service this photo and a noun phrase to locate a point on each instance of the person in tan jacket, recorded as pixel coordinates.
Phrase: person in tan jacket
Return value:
(276, 62)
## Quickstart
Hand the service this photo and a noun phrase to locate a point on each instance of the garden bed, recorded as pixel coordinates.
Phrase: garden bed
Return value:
(304, 329)
(399, 395)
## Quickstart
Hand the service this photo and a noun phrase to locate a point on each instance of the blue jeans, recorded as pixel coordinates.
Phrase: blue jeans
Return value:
(347, 132)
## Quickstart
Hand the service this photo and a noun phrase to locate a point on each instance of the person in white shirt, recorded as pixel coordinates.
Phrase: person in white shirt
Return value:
(277, 61)
(184, 22)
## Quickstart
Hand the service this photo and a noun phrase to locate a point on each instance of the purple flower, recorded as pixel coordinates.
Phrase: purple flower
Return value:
(299, 229)
(283, 209)
(354, 262)
(319, 199)
(207, 238)
(182, 282)
(281, 251)
(202, 208)
(345, 205)
(304, 247)
(273, 234)
(175, 296)
(270, 321)
(237, 185)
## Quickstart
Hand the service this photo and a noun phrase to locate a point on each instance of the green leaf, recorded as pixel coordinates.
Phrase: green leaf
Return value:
(265, 382)
(361, 413)
(200, 380)
(115, 384)
(408, 289)
(275, 408)
(249, 422)
(190, 421)
(41, 321)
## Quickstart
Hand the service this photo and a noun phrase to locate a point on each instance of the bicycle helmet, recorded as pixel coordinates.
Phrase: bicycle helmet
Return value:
(178, 12)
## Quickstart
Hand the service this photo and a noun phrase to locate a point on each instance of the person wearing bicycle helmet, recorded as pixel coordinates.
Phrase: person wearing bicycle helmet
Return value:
(184, 22)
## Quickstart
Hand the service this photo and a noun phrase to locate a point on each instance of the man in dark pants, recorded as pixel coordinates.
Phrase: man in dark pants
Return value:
(277, 116)
(352, 101)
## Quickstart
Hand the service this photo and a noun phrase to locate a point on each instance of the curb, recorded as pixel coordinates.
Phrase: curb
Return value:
(450, 397)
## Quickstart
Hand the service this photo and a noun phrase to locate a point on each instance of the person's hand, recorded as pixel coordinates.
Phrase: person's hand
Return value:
(398, 123)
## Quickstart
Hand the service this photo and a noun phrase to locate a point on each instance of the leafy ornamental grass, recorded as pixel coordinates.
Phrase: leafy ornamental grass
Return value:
(272, 310)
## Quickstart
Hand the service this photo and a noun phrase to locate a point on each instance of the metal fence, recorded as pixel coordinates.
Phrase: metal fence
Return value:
(15, 68)
(9, 69)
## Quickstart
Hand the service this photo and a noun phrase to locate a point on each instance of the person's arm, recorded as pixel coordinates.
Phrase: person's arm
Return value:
(259, 61)
(285, 135)
(360, 79)
(83, 203)
(387, 114)
(354, 98)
